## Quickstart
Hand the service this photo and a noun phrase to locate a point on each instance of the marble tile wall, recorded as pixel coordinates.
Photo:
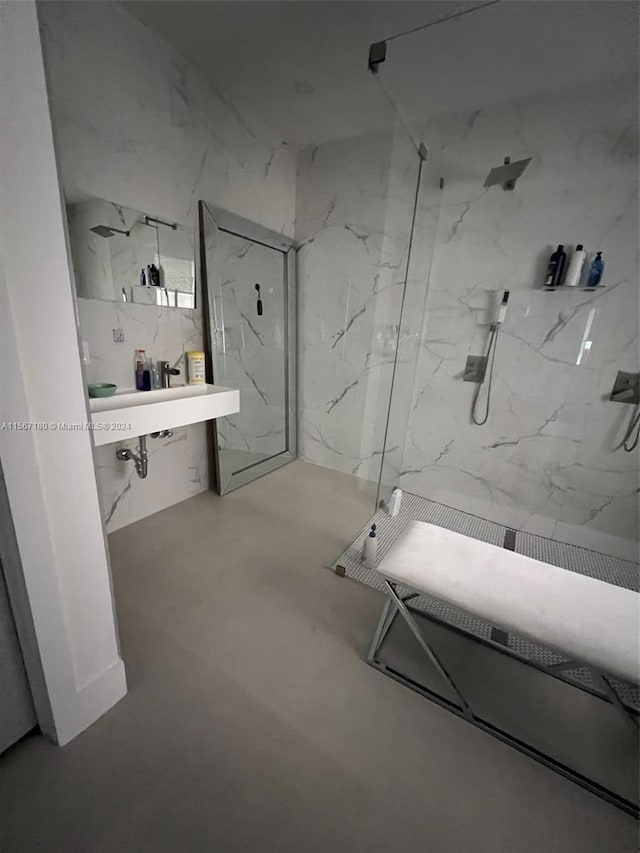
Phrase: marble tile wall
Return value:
(178, 466)
(546, 459)
(353, 218)
(134, 123)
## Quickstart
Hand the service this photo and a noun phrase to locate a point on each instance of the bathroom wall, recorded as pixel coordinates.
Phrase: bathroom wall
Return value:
(546, 460)
(178, 466)
(136, 124)
(353, 217)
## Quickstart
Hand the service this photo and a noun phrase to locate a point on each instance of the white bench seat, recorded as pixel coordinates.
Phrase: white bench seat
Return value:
(579, 617)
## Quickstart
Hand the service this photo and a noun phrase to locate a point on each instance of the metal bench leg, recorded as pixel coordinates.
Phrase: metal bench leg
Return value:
(406, 615)
(613, 697)
(389, 612)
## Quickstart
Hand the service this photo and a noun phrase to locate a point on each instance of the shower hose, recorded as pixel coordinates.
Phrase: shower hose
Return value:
(631, 437)
(630, 440)
(491, 357)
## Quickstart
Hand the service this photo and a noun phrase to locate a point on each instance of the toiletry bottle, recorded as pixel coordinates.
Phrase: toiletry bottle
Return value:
(595, 273)
(139, 360)
(146, 374)
(153, 275)
(575, 267)
(156, 375)
(394, 503)
(143, 278)
(196, 368)
(555, 270)
(370, 549)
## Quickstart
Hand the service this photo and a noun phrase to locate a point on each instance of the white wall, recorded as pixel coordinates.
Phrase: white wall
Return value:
(49, 474)
(546, 460)
(135, 124)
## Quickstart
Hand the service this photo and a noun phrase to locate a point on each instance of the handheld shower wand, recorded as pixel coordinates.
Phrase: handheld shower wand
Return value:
(502, 310)
(491, 357)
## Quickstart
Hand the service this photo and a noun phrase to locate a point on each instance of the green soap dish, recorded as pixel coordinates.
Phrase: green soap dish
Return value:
(102, 389)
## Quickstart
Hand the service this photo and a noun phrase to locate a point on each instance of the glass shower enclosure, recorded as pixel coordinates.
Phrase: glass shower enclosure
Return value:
(248, 278)
(550, 459)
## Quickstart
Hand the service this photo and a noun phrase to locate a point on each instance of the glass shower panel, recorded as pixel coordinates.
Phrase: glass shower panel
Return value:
(355, 204)
(354, 211)
(421, 248)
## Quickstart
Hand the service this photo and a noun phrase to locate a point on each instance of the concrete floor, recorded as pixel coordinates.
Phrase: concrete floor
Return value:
(252, 723)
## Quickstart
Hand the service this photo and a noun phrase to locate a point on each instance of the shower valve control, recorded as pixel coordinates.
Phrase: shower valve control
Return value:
(475, 369)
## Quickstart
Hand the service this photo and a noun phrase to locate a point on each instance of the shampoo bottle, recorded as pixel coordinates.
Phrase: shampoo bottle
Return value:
(575, 267)
(139, 362)
(555, 269)
(370, 549)
(146, 374)
(595, 273)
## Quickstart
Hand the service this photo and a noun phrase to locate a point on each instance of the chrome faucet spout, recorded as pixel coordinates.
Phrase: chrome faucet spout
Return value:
(166, 372)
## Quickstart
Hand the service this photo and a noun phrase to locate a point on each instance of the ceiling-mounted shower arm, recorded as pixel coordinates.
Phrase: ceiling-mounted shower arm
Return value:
(108, 231)
(152, 221)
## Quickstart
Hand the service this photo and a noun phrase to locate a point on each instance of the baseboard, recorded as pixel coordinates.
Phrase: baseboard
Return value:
(90, 703)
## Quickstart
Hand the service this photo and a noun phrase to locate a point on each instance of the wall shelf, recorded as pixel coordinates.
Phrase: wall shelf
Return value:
(578, 289)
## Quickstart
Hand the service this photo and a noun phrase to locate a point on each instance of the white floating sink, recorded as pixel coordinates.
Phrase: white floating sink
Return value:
(132, 413)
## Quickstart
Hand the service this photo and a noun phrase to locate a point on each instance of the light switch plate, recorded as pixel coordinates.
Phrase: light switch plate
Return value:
(475, 368)
(118, 336)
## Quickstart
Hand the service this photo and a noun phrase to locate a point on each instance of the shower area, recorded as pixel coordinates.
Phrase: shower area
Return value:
(543, 451)
(494, 135)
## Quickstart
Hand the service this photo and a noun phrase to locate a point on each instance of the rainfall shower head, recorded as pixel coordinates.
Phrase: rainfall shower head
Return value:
(508, 174)
(107, 231)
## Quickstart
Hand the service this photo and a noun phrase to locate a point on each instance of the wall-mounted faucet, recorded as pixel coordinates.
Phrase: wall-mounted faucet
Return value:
(166, 372)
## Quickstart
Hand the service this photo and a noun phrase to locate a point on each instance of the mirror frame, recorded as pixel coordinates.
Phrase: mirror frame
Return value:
(226, 222)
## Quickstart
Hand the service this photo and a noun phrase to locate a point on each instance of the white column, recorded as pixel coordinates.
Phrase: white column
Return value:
(49, 474)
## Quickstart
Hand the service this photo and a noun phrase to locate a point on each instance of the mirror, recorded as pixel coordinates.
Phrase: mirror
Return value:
(123, 255)
(249, 300)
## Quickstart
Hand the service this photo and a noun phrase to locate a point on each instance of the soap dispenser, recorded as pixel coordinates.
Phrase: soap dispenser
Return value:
(370, 549)
(595, 273)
